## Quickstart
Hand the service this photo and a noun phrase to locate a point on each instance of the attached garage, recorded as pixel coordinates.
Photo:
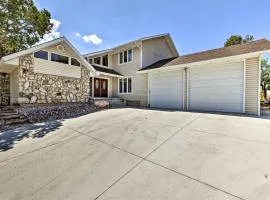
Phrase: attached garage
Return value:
(224, 80)
(217, 88)
(166, 89)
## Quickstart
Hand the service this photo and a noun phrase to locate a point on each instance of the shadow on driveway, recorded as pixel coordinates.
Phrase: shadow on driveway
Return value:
(10, 137)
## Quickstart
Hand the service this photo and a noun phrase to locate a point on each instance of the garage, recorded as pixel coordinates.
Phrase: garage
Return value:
(217, 88)
(166, 89)
(223, 80)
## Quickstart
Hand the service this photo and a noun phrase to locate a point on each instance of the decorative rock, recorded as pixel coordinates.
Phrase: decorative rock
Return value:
(26, 85)
(33, 99)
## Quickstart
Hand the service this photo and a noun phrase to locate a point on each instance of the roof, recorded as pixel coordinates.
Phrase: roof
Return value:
(47, 44)
(251, 47)
(166, 35)
(106, 70)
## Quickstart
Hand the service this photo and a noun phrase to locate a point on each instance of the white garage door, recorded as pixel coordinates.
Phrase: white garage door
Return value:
(166, 89)
(217, 88)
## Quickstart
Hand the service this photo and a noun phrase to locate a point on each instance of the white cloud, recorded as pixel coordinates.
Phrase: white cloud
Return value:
(93, 38)
(77, 34)
(54, 32)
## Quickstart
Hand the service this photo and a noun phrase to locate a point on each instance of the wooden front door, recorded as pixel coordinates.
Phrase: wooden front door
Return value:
(4, 89)
(100, 87)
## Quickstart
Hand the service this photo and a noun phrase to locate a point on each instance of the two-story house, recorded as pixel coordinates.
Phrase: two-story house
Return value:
(121, 65)
(145, 72)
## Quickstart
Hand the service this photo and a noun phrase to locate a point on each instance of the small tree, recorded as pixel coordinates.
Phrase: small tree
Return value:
(21, 25)
(265, 77)
(238, 39)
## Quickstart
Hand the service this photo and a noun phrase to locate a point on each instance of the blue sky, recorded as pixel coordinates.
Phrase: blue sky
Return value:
(194, 25)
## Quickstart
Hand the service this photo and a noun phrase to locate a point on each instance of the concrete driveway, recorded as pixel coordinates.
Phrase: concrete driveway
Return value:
(137, 154)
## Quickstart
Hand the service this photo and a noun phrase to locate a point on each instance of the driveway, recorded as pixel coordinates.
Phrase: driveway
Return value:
(138, 154)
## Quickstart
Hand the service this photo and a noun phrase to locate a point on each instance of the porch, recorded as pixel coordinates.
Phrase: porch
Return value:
(105, 85)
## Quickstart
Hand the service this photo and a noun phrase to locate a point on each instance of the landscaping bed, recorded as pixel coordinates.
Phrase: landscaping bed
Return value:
(39, 113)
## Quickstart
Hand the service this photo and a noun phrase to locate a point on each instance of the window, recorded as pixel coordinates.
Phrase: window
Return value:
(41, 55)
(121, 58)
(120, 85)
(125, 85)
(59, 58)
(125, 56)
(90, 60)
(105, 60)
(97, 60)
(75, 62)
(129, 85)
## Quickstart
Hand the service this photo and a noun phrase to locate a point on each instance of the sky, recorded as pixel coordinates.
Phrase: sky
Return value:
(194, 25)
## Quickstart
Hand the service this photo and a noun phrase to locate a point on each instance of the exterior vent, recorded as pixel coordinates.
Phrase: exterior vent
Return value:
(60, 48)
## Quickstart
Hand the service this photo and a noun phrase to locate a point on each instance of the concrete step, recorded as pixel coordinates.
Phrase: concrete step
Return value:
(15, 121)
(10, 117)
(8, 113)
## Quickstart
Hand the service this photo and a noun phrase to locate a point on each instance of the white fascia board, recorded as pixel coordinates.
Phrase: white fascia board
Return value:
(107, 74)
(86, 63)
(32, 49)
(98, 53)
(213, 61)
(45, 45)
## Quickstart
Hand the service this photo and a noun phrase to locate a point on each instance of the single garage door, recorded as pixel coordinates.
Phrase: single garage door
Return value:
(166, 89)
(217, 88)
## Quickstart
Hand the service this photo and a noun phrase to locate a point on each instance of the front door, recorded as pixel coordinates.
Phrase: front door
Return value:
(4, 89)
(100, 87)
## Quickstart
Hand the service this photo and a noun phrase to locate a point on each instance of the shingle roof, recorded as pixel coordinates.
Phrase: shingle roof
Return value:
(251, 47)
(106, 70)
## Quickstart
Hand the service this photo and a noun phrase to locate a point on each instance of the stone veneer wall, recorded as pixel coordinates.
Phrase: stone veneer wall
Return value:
(43, 88)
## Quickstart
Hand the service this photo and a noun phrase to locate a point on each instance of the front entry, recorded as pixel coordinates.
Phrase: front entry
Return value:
(100, 87)
(4, 89)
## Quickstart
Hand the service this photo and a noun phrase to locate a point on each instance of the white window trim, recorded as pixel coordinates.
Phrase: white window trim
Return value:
(127, 85)
(132, 56)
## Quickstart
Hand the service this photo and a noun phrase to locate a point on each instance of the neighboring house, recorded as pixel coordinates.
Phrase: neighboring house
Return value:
(122, 63)
(146, 72)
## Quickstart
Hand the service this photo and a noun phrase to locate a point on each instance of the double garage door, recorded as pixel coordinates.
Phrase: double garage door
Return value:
(207, 88)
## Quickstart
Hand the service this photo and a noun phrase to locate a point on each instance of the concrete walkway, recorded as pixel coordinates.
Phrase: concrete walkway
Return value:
(136, 154)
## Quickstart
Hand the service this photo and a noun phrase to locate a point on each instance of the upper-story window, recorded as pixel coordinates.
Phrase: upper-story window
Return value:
(97, 60)
(105, 60)
(125, 56)
(56, 58)
(41, 55)
(59, 58)
(100, 60)
(75, 62)
(90, 60)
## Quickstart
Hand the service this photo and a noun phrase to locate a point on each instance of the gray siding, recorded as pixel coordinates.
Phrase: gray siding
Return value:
(139, 81)
(155, 50)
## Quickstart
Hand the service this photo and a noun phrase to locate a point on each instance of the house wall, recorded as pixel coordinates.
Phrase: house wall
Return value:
(155, 50)
(55, 68)
(252, 89)
(44, 88)
(139, 81)
(14, 86)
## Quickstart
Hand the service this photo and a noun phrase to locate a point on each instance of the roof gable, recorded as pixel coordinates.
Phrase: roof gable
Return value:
(51, 45)
(235, 50)
(136, 42)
